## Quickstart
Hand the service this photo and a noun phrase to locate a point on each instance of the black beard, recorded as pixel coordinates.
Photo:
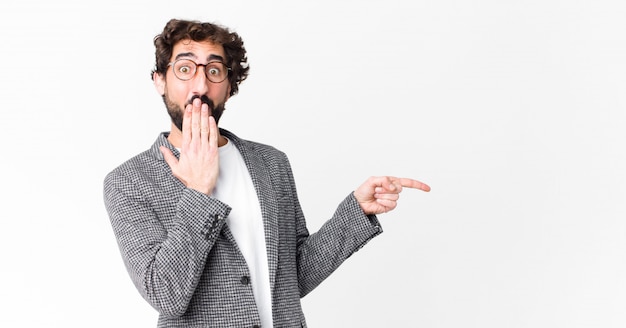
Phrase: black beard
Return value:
(176, 113)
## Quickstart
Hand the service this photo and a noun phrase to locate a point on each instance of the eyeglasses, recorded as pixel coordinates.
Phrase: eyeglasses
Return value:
(185, 69)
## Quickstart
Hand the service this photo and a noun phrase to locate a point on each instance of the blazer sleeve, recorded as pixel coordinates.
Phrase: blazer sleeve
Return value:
(164, 263)
(321, 253)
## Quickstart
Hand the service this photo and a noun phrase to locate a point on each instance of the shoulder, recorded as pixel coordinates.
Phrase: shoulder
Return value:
(139, 161)
(131, 170)
(142, 165)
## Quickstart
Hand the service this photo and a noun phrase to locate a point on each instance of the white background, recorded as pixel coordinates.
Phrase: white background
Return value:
(513, 111)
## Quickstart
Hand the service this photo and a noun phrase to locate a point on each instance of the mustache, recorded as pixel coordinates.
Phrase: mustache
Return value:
(204, 100)
(176, 113)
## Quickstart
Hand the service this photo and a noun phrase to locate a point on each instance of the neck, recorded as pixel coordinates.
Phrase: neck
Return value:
(176, 138)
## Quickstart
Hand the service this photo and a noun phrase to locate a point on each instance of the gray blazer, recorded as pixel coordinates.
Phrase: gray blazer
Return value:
(184, 261)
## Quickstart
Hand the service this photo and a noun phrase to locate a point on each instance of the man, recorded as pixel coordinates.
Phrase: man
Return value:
(209, 225)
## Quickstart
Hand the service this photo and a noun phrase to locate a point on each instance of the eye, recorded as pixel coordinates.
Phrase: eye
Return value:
(213, 70)
(184, 69)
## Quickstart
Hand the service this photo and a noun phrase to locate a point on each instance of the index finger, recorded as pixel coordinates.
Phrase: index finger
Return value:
(186, 126)
(410, 183)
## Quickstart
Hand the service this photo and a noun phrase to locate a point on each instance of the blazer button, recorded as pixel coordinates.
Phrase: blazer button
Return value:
(245, 280)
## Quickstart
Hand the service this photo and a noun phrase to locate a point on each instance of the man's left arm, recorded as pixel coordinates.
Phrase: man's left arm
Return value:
(353, 224)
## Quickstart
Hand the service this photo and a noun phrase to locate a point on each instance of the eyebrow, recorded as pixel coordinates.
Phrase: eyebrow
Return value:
(191, 54)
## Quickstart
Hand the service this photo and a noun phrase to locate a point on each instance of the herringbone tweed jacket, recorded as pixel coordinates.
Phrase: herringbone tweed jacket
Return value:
(184, 261)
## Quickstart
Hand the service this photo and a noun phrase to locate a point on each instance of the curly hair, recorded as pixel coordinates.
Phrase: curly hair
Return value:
(176, 30)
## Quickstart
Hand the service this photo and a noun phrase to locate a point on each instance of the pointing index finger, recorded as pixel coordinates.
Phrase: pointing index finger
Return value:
(410, 183)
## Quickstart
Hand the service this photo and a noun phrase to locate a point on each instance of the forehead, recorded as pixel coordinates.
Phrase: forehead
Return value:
(197, 49)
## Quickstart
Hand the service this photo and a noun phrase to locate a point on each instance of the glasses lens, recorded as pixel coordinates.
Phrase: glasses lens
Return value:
(216, 72)
(184, 69)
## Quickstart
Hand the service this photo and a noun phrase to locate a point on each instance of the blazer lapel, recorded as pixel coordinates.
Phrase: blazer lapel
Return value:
(267, 199)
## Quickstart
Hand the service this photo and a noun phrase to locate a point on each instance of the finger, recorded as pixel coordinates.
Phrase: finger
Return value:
(186, 126)
(204, 124)
(387, 204)
(213, 133)
(410, 183)
(387, 185)
(169, 158)
(387, 196)
(195, 119)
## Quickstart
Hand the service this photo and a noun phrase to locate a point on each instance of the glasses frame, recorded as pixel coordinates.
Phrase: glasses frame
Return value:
(228, 69)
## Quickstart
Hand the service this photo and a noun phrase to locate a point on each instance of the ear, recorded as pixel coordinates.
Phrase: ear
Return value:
(159, 83)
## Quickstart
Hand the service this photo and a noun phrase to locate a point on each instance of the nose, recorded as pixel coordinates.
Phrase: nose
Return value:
(200, 83)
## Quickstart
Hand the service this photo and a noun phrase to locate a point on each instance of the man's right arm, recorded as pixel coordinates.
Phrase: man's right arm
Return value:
(165, 261)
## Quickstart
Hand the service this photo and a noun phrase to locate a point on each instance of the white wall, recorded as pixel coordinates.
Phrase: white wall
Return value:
(512, 111)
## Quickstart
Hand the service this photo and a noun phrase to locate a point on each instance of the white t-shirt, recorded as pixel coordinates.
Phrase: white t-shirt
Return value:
(235, 188)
